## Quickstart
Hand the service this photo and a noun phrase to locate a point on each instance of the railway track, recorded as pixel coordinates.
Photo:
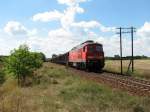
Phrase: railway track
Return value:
(126, 83)
(135, 86)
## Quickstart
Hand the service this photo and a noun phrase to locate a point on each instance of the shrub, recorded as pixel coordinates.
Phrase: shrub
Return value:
(21, 63)
(2, 77)
(138, 108)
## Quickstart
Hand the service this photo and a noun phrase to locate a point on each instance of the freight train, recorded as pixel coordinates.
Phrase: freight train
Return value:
(88, 56)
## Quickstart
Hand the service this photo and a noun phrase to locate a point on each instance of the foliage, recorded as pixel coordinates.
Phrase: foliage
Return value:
(22, 63)
(2, 77)
(42, 55)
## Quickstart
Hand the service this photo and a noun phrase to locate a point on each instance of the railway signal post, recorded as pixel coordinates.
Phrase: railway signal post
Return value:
(132, 57)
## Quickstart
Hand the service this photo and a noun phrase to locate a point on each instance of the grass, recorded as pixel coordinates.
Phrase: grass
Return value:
(142, 67)
(55, 89)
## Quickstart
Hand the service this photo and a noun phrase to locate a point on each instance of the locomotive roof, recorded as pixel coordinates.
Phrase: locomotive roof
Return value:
(60, 55)
(85, 43)
(88, 42)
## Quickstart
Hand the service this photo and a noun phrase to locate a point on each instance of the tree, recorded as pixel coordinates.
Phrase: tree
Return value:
(43, 57)
(54, 56)
(116, 57)
(21, 63)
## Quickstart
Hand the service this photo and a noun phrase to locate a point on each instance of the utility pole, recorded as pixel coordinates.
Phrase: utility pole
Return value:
(132, 30)
(121, 49)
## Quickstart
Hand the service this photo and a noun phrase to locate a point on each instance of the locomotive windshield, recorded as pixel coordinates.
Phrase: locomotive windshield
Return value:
(99, 48)
(93, 48)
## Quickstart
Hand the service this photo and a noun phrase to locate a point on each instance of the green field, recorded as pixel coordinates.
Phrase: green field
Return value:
(142, 67)
(56, 89)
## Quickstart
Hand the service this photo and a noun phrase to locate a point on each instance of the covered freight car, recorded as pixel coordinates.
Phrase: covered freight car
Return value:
(60, 59)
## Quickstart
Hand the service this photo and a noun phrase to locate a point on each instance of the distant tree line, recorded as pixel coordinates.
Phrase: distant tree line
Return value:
(117, 57)
(43, 57)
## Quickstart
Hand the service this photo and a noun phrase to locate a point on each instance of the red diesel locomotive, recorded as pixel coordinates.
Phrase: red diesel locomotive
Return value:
(88, 55)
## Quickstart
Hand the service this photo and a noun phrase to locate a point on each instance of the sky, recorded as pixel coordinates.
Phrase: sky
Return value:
(56, 26)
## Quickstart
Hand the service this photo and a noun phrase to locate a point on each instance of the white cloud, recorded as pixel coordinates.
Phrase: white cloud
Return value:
(69, 16)
(66, 18)
(144, 31)
(15, 28)
(58, 41)
(143, 39)
(93, 24)
(70, 33)
(8, 43)
(60, 33)
(110, 44)
(141, 42)
(86, 25)
(107, 29)
(71, 2)
(47, 16)
(32, 32)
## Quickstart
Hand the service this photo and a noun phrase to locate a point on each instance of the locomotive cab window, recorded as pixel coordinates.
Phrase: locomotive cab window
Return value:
(99, 48)
(84, 49)
(91, 48)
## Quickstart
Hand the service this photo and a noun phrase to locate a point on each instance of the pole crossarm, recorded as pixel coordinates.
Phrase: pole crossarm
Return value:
(123, 32)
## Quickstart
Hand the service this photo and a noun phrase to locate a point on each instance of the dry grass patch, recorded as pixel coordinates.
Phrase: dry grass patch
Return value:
(142, 67)
(56, 89)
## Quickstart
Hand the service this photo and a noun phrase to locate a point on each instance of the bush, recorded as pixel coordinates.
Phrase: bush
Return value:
(21, 63)
(138, 109)
(42, 55)
(2, 77)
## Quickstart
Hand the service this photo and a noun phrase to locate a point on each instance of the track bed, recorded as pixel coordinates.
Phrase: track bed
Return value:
(126, 83)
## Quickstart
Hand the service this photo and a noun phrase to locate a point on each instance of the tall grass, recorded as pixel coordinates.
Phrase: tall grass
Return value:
(56, 89)
(141, 68)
